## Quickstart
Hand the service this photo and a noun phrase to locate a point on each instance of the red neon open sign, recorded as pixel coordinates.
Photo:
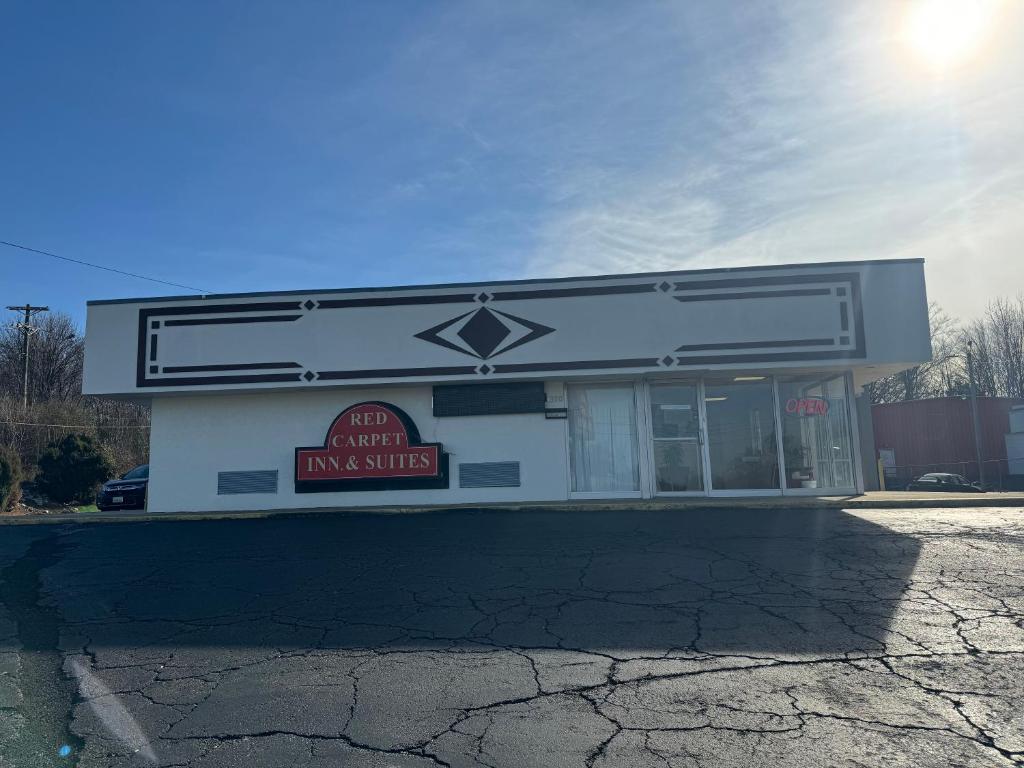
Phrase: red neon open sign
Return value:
(807, 406)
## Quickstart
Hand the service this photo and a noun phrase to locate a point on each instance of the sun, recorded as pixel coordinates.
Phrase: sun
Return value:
(944, 35)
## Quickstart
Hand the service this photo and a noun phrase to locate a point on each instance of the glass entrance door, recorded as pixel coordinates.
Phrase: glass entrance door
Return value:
(675, 424)
(742, 445)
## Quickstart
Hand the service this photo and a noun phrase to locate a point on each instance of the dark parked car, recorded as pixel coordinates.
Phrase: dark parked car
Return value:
(126, 492)
(947, 483)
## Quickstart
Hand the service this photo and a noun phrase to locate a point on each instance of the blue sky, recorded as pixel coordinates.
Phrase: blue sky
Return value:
(260, 146)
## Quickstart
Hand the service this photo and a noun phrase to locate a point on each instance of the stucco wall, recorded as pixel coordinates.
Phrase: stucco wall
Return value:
(196, 437)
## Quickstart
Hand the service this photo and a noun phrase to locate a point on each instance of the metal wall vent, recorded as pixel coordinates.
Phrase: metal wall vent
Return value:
(251, 481)
(489, 474)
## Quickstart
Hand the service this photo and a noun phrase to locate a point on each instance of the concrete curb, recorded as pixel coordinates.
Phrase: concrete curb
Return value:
(849, 503)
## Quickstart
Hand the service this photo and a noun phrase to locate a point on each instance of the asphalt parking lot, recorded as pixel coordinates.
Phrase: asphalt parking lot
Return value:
(715, 637)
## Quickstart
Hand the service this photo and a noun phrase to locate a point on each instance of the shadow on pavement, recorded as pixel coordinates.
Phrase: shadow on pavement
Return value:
(755, 582)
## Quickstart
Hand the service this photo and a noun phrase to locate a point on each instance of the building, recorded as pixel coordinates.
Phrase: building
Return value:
(937, 435)
(708, 382)
(1015, 442)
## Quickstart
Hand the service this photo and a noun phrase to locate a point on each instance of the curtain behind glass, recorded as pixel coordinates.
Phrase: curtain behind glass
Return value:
(817, 446)
(602, 438)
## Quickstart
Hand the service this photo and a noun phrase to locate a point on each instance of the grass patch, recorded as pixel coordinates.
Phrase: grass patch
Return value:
(87, 508)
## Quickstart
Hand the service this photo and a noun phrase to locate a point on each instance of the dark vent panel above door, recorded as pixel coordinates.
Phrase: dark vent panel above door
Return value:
(488, 399)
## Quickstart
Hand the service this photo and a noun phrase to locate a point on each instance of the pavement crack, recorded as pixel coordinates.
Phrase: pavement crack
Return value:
(48, 694)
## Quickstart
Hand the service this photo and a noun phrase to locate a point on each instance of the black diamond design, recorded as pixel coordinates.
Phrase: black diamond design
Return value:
(309, 304)
(484, 332)
(664, 286)
(309, 375)
(485, 369)
(666, 360)
(483, 297)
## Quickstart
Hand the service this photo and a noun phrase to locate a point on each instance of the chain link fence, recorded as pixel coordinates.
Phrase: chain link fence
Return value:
(122, 428)
(997, 474)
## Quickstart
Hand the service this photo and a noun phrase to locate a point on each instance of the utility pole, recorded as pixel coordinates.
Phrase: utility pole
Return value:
(26, 333)
(974, 415)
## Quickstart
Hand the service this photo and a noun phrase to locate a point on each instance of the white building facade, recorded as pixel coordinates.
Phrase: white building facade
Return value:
(699, 383)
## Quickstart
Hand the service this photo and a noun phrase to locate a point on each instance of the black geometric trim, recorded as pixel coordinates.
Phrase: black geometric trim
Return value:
(431, 335)
(753, 282)
(769, 357)
(246, 379)
(141, 370)
(205, 309)
(560, 293)
(397, 301)
(844, 319)
(536, 331)
(219, 309)
(227, 367)
(756, 344)
(397, 373)
(577, 365)
(755, 295)
(852, 278)
(225, 320)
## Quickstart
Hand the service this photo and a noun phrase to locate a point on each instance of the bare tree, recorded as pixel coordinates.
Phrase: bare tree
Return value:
(56, 405)
(55, 359)
(998, 348)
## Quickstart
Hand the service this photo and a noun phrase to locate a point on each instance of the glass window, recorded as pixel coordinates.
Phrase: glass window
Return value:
(741, 433)
(816, 442)
(139, 473)
(603, 438)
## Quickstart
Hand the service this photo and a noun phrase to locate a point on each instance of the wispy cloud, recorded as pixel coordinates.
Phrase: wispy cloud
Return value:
(659, 136)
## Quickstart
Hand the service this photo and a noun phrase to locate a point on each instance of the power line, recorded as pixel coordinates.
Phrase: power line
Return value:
(100, 266)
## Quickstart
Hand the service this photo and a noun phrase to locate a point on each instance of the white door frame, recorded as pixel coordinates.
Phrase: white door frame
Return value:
(652, 479)
(778, 444)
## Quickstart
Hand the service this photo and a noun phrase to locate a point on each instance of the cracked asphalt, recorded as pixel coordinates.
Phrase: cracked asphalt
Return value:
(549, 638)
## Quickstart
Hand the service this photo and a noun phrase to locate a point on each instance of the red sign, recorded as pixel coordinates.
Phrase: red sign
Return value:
(371, 446)
(807, 406)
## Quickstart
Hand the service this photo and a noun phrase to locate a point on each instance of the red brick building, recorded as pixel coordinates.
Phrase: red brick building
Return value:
(937, 435)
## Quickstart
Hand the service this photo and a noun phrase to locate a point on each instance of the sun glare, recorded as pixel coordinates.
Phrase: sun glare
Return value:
(947, 34)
